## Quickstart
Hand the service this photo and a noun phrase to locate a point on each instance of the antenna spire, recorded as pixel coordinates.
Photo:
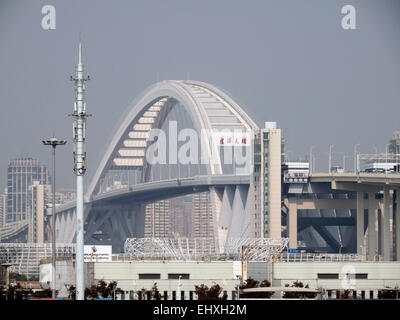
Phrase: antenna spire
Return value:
(80, 50)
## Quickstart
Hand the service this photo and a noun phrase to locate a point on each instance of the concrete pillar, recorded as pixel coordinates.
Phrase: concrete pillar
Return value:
(380, 233)
(396, 230)
(386, 225)
(371, 225)
(292, 223)
(360, 222)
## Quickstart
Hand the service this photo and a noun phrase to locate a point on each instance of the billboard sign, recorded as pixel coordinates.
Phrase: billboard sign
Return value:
(94, 253)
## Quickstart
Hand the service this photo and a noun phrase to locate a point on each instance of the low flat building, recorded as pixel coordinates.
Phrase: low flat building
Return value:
(132, 276)
(364, 278)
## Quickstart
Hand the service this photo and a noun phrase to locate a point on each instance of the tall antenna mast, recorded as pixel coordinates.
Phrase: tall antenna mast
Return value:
(79, 131)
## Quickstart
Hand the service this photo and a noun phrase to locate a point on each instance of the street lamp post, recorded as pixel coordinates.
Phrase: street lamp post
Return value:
(311, 159)
(344, 161)
(330, 157)
(355, 157)
(53, 142)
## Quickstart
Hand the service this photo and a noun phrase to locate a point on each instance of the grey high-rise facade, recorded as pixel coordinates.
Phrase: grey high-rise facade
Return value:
(267, 180)
(157, 219)
(202, 219)
(20, 176)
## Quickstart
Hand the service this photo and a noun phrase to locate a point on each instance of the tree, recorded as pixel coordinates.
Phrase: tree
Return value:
(251, 283)
(152, 294)
(212, 293)
(302, 295)
(71, 292)
(388, 294)
(101, 290)
(14, 293)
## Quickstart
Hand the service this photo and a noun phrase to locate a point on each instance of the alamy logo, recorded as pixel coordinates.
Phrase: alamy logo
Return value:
(349, 20)
(49, 20)
(349, 277)
(218, 147)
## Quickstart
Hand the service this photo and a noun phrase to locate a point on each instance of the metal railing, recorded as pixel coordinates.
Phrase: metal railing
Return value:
(320, 257)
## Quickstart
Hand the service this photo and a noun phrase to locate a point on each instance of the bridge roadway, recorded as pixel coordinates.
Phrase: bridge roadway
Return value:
(164, 189)
(131, 198)
(366, 185)
(13, 230)
(378, 179)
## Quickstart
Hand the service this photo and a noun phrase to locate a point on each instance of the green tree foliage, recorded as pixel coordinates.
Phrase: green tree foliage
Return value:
(101, 290)
(15, 293)
(212, 293)
(299, 295)
(388, 294)
(152, 294)
(347, 294)
(251, 283)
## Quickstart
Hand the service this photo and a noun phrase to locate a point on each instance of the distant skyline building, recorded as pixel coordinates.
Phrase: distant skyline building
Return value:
(38, 196)
(202, 220)
(157, 219)
(180, 219)
(20, 175)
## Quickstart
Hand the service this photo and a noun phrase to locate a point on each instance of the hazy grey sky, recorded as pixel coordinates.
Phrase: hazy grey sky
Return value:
(284, 61)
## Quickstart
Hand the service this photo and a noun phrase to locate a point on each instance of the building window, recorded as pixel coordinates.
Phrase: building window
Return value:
(173, 295)
(149, 276)
(185, 276)
(131, 295)
(165, 295)
(190, 295)
(328, 276)
(361, 275)
(182, 295)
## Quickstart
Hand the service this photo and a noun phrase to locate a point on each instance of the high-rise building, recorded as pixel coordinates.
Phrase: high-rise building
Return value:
(38, 196)
(267, 181)
(157, 219)
(3, 208)
(21, 173)
(202, 220)
(180, 211)
(187, 217)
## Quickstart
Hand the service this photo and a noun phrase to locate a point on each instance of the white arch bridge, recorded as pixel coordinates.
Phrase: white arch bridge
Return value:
(206, 133)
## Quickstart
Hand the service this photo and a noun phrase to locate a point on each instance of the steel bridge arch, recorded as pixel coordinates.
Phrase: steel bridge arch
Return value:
(209, 108)
(193, 96)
